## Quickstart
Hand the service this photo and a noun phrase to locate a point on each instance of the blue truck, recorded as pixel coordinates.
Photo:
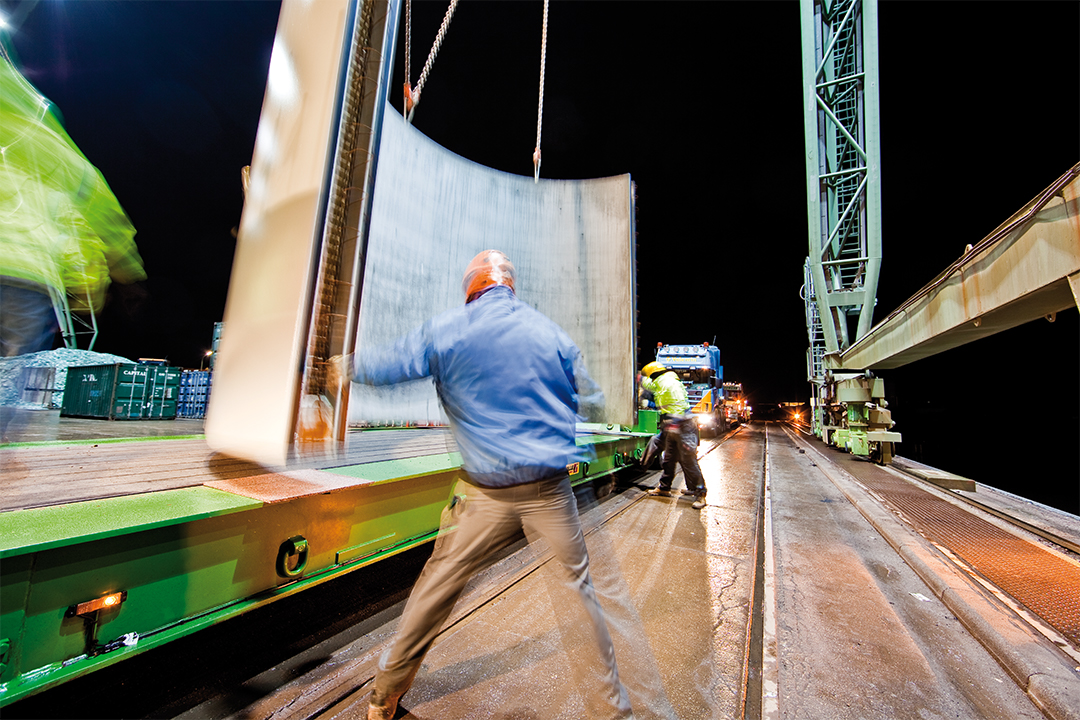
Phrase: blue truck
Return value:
(699, 368)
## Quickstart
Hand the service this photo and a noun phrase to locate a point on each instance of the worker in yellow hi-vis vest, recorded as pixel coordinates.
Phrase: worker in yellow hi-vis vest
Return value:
(679, 433)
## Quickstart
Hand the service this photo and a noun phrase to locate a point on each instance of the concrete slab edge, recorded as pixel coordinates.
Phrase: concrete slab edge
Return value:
(1035, 665)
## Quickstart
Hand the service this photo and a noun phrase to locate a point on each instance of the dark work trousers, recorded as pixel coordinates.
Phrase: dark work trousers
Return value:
(27, 320)
(680, 444)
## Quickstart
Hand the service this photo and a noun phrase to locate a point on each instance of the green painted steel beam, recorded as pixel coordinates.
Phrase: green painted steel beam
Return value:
(401, 469)
(187, 562)
(56, 673)
(102, 441)
(45, 528)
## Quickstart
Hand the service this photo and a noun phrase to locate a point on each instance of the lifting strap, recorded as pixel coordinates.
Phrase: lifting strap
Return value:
(412, 95)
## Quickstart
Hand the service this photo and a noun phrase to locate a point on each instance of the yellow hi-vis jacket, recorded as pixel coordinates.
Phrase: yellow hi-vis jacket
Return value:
(60, 224)
(669, 394)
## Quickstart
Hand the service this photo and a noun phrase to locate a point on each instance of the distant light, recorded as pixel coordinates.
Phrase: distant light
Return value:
(3, 22)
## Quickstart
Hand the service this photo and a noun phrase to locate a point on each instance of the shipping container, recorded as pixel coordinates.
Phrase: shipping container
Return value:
(194, 393)
(122, 392)
(38, 385)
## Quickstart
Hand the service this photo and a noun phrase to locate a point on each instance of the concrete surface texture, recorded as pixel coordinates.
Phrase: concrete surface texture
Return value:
(863, 618)
(571, 242)
(859, 634)
(675, 584)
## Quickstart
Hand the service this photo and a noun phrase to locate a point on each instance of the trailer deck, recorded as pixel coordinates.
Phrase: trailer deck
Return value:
(68, 460)
(185, 537)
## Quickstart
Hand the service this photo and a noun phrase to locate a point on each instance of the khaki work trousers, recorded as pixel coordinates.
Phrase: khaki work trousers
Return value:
(478, 522)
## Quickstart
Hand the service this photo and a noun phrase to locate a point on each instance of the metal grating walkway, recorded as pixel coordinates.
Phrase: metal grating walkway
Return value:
(1043, 581)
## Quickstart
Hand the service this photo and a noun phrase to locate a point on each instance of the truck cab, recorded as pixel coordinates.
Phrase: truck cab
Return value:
(699, 368)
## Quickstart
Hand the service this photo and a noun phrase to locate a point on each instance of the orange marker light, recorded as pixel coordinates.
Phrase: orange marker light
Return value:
(102, 603)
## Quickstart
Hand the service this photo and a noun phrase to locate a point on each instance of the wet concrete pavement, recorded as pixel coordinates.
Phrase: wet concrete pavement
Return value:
(676, 584)
(858, 633)
(848, 629)
(794, 594)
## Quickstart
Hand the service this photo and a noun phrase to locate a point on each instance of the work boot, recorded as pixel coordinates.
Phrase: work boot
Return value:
(383, 712)
(660, 492)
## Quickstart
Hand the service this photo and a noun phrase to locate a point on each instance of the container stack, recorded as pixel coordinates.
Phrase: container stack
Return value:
(194, 393)
(122, 392)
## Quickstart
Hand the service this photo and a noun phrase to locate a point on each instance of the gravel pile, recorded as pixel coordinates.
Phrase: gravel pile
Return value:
(62, 359)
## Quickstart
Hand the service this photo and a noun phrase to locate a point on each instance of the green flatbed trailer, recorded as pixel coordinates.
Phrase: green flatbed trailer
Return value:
(212, 542)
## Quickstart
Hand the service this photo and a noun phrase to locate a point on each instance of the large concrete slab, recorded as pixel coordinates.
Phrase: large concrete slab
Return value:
(571, 241)
(252, 410)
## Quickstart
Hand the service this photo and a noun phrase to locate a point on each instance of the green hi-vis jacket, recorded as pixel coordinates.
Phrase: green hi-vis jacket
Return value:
(669, 394)
(62, 226)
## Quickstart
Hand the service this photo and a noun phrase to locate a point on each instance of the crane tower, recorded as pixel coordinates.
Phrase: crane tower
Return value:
(840, 111)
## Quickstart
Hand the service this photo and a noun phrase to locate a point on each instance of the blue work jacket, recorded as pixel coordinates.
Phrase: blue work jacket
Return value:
(511, 381)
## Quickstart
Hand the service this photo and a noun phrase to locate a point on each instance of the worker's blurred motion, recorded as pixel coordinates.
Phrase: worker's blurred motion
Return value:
(638, 668)
(513, 386)
(678, 442)
(64, 236)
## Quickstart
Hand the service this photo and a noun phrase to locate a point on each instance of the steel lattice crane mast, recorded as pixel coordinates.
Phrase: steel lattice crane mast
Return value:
(840, 111)
(843, 150)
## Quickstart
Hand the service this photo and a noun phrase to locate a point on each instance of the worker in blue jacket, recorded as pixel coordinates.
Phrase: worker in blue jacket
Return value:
(513, 385)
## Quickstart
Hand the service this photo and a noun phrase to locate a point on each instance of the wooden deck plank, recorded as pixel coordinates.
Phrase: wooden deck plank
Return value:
(55, 474)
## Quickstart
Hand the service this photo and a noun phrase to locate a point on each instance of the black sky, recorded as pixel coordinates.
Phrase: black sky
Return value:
(699, 101)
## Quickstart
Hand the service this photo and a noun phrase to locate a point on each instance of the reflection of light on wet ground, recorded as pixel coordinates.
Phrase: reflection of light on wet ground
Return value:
(728, 525)
(691, 574)
(722, 566)
(647, 585)
(679, 638)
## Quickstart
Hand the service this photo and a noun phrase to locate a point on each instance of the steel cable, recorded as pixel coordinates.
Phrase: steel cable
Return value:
(407, 103)
(415, 95)
(540, 104)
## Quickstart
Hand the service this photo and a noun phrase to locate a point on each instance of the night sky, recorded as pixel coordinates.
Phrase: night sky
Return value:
(701, 103)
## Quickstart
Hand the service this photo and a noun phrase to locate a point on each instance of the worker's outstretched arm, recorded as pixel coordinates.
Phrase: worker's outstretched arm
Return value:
(590, 398)
(408, 358)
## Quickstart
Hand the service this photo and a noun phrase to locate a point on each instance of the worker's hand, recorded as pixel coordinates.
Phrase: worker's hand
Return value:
(338, 371)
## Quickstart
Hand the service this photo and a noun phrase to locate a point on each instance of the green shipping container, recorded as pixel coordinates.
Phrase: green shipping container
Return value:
(121, 392)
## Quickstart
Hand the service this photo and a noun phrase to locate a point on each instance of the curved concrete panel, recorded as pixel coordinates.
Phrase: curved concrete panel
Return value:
(572, 242)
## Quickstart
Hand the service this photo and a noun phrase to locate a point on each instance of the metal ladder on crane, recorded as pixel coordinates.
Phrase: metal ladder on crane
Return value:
(840, 94)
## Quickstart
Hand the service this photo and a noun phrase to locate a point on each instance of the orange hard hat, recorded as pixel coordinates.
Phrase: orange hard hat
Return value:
(488, 268)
